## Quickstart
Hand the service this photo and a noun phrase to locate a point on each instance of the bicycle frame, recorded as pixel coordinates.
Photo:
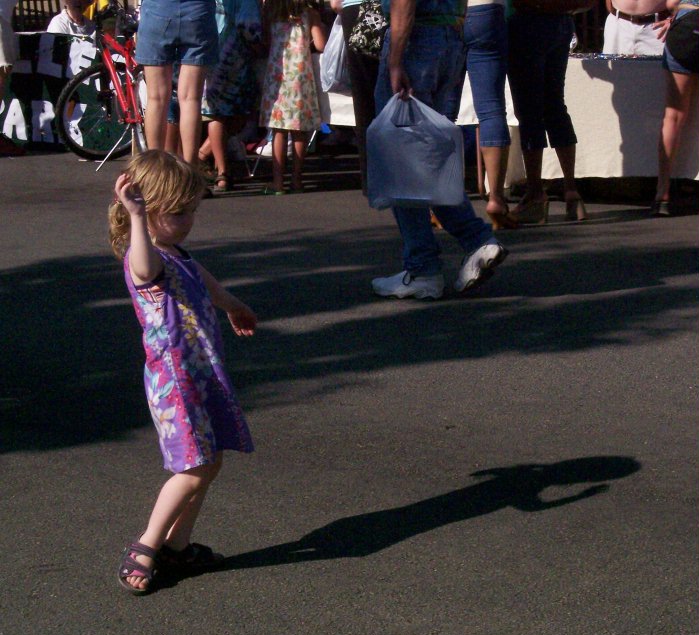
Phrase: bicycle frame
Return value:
(125, 93)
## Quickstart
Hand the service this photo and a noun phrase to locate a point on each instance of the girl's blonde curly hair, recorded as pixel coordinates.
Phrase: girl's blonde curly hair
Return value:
(167, 184)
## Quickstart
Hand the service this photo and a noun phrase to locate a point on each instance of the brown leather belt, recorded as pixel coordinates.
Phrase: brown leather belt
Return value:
(649, 18)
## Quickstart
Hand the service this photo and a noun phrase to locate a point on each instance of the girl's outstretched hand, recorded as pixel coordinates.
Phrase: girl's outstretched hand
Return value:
(243, 320)
(130, 196)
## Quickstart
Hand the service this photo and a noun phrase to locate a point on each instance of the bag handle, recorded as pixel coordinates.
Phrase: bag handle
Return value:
(407, 113)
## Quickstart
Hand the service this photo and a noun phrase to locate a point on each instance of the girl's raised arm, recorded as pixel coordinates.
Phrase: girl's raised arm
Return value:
(144, 262)
(320, 37)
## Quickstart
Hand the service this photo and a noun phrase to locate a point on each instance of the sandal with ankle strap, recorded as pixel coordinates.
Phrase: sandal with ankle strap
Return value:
(129, 566)
(194, 557)
(223, 183)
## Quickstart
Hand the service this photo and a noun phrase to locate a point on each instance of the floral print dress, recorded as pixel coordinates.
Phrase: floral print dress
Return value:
(289, 95)
(191, 400)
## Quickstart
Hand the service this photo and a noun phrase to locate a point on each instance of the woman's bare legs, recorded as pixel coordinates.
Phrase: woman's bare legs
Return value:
(679, 89)
(190, 87)
(159, 91)
(176, 511)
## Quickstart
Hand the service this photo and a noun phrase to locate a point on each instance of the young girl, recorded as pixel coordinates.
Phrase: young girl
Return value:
(289, 96)
(191, 399)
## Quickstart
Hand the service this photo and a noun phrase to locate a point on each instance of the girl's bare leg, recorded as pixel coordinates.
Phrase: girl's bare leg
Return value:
(300, 142)
(279, 138)
(175, 511)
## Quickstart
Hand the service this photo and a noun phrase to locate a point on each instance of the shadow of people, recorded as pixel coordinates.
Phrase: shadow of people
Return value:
(519, 486)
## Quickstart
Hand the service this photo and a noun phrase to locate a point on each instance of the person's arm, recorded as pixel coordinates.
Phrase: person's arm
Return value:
(240, 315)
(402, 21)
(336, 5)
(318, 33)
(663, 26)
(145, 263)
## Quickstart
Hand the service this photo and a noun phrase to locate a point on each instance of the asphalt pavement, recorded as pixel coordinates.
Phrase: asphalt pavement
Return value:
(519, 462)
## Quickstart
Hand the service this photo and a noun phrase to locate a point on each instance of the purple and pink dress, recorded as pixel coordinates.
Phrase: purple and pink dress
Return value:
(191, 399)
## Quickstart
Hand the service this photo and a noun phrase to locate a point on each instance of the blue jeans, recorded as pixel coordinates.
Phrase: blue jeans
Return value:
(485, 37)
(538, 58)
(435, 63)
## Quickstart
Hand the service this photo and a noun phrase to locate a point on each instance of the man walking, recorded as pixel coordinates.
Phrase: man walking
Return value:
(424, 56)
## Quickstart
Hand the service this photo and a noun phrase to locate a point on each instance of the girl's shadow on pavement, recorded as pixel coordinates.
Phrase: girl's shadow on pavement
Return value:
(519, 486)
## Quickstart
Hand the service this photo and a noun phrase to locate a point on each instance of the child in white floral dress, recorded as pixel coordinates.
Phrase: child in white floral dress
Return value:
(289, 95)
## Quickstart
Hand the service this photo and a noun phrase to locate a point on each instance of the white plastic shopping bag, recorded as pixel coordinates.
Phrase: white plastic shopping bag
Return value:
(415, 157)
(333, 63)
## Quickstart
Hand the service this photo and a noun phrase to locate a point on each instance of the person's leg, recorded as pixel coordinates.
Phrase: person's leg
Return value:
(279, 148)
(159, 90)
(299, 140)
(190, 87)
(485, 37)
(679, 89)
(218, 138)
(559, 125)
(205, 152)
(566, 159)
(172, 139)
(363, 71)
(180, 532)
(526, 64)
(176, 511)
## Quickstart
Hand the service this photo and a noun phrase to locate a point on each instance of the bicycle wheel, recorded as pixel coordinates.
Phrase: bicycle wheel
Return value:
(88, 116)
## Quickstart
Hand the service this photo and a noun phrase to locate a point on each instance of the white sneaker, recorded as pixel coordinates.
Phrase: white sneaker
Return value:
(404, 285)
(479, 265)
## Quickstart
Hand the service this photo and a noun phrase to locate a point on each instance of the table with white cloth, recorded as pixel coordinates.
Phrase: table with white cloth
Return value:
(616, 104)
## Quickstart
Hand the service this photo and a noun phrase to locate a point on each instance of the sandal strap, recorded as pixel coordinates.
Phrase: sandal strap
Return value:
(142, 550)
(129, 566)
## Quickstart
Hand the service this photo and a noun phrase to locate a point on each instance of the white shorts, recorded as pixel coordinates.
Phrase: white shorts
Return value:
(8, 44)
(622, 37)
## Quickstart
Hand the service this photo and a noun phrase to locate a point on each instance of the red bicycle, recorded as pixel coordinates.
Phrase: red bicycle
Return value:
(102, 104)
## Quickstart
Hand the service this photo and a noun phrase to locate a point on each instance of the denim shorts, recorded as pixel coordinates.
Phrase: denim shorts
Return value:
(669, 62)
(172, 31)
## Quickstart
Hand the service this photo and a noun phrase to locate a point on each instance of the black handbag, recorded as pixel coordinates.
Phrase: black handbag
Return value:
(367, 34)
(683, 40)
